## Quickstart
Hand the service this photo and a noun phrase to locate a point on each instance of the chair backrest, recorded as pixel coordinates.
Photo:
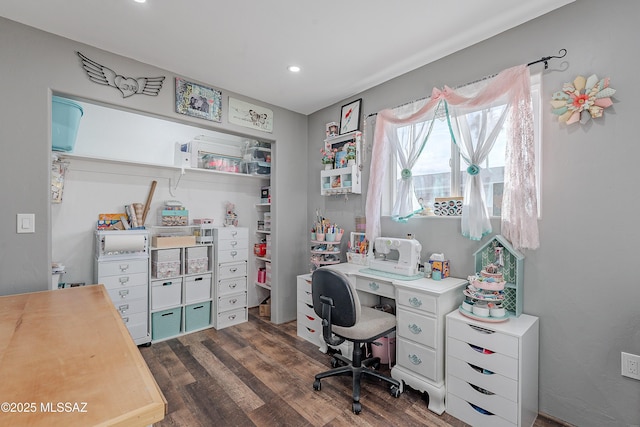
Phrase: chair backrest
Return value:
(332, 284)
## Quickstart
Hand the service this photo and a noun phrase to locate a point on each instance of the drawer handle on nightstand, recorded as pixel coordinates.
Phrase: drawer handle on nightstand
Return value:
(415, 329)
(124, 267)
(374, 286)
(481, 390)
(482, 330)
(415, 359)
(415, 302)
(124, 280)
(480, 370)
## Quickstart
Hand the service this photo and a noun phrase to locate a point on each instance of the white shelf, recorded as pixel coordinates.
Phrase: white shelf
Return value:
(263, 285)
(263, 231)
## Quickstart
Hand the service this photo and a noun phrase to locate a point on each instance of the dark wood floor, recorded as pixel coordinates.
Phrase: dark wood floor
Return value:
(261, 374)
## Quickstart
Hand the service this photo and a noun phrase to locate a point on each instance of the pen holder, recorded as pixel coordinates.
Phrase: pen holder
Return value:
(313, 236)
(330, 237)
(320, 237)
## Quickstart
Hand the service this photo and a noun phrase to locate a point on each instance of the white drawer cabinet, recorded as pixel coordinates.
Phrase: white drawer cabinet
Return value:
(420, 317)
(492, 370)
(309, 324)
(230, 267)
(127, 283)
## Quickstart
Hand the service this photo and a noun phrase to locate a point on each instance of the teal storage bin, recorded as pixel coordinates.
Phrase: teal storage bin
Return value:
(197, 316)
(166, 323)
(65, 121)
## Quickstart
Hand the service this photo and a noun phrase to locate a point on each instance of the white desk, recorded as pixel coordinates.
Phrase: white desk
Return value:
(421, 307)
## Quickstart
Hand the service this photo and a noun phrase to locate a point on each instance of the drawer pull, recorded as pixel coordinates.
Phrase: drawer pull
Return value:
(234, 253)
(125, 319)
(415, 329)
(310, 318)
(415, 359)
(480, 370)
(309, 305)
(233, 301)
(234, 233)
(233, 270)
(123, 308)
(308, 293)
(167, 314)
(167, 284)
(198, 307)
(123, 294)
(308, 281)
(480, 349)
(480, 410)
(124, 267)
(374, 286)
(233, 316)
(415, 302)
(198, 279)
(123, 280)
(482, 330)
(233, 285)
(481, 390)
(233, 243)
(313, 331)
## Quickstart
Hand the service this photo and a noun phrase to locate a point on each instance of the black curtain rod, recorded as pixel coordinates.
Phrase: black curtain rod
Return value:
(562, 53)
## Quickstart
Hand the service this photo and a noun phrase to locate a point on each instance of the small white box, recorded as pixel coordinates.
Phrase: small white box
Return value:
(197, 252)
(197, 288)
(166, 293)
(164, 255)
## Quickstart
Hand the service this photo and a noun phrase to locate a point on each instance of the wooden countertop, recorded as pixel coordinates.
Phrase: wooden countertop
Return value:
(67, 359)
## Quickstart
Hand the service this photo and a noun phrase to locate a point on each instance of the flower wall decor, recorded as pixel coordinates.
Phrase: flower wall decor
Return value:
(583, 99)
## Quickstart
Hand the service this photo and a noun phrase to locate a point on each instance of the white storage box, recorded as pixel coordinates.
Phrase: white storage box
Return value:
(163, 255)
(197, 265)
(197, 252)
(163, 270)
(166, 293)
(197, 288)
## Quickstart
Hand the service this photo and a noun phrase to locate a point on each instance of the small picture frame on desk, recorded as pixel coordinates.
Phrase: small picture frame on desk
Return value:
(350, 117)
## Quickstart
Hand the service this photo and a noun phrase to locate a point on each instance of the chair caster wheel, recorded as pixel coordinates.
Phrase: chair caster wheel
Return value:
(316, 385)
(356, 408)
(335, 363)
(395, 391)
(376, 366)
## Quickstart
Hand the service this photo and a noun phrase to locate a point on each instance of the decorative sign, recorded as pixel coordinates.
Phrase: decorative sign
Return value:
(126, 85)
(248, 115)
(582, 100)
(198, 101)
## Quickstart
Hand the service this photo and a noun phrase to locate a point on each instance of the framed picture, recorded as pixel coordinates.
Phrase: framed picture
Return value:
(250, 115)
(199, 101)
(350, 117)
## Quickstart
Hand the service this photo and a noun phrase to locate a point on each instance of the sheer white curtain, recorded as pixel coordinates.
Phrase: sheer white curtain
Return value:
(475, 133)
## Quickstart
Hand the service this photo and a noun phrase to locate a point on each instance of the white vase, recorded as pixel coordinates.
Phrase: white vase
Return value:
(328, 166)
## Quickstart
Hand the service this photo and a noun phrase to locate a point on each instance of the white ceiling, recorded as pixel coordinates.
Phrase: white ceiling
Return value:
(343, 46)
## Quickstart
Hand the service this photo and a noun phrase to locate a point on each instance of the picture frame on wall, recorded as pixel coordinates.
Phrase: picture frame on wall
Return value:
(350, 117)
(199, 101)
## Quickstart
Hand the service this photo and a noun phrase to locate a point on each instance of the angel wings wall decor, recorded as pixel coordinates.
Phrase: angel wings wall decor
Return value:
(126, 85)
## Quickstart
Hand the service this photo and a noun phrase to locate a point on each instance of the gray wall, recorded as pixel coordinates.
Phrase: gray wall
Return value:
(581, 281)
(34, 65)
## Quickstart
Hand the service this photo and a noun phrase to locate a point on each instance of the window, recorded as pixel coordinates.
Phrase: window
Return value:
(440, 171)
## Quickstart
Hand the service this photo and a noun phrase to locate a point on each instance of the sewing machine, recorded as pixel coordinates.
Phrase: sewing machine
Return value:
(408, 255)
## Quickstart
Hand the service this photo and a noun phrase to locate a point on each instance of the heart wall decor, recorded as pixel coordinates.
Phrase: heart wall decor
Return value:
(128, 86)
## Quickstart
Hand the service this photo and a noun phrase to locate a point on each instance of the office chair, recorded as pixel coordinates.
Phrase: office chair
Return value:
(343, 318)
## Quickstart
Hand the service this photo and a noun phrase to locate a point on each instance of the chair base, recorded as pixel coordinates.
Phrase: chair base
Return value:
(357, 369)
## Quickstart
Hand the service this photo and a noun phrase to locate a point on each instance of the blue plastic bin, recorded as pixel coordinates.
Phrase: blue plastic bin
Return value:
(65, 120)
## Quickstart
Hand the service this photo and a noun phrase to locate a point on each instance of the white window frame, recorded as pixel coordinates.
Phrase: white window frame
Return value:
(389, 191)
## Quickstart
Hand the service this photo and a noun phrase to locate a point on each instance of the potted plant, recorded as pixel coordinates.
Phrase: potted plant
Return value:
(351, 154)
(328, 157)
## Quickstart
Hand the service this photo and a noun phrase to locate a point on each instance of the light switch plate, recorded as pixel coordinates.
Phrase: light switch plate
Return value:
(26, 223)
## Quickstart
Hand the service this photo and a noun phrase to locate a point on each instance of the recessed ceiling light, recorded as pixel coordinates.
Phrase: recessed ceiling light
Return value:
(140, 1)
(293, 68)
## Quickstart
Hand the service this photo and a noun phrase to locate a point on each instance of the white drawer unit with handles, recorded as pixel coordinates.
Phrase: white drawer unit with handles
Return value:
(231, 252)
(125, 275)
(492, 371)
